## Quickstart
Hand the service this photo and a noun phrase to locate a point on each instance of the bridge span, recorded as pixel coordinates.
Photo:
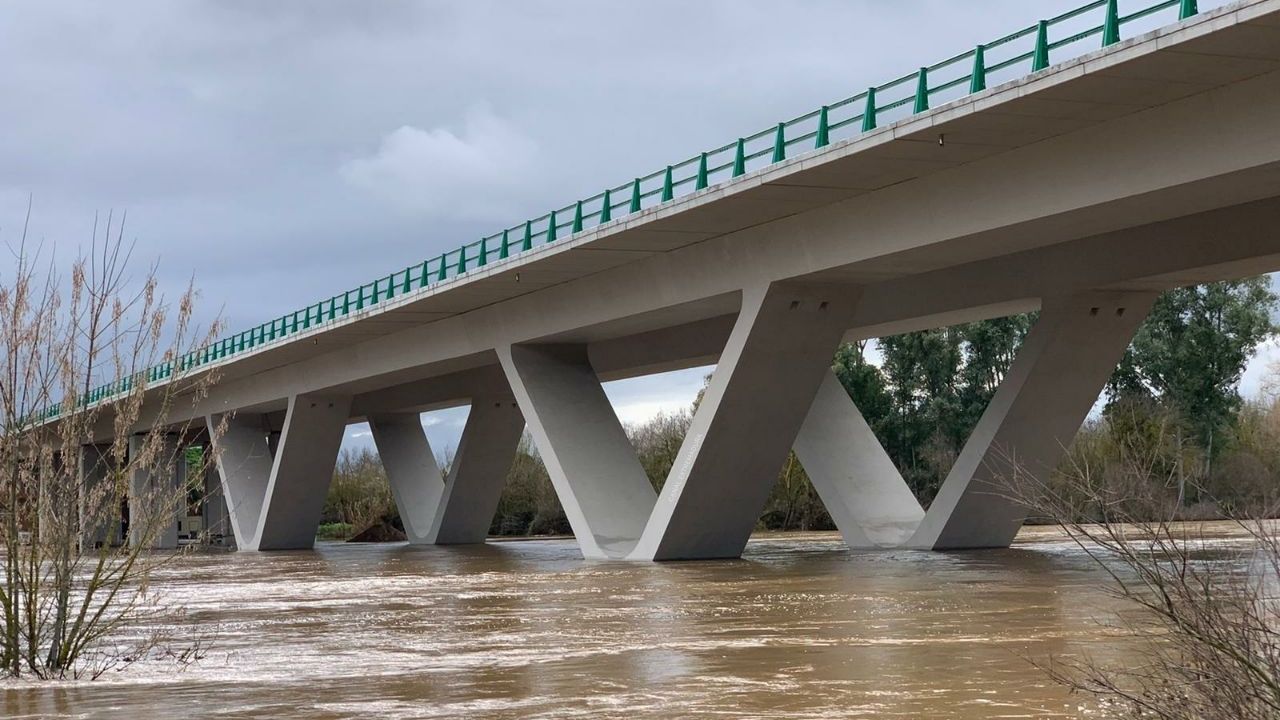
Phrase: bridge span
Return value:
(1125, 163)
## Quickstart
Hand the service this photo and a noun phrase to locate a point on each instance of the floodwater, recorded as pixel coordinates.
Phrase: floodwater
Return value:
(799, 628)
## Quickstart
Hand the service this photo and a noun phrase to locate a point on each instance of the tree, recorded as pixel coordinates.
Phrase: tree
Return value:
(922, 369)
(989, 349)
(68, 584)
(1192, 350)
(930, 392)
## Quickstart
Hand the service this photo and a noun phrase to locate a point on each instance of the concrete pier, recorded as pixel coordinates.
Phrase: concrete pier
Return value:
(1081, 190)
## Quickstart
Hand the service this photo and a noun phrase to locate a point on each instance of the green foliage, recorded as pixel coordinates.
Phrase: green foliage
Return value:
(1192, 350)
(794, 503)
(529, 505)
(658, 441)
(335, 531)
(360, 494)
(1173, 399)
(930, 391)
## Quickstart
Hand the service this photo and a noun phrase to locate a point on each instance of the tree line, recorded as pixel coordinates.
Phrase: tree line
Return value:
(1174, 400)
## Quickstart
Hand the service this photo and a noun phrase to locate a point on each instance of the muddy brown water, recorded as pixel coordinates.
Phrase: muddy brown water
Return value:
(799, 628)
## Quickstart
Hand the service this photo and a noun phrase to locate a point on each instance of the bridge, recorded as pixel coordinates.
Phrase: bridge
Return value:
(1077, 167)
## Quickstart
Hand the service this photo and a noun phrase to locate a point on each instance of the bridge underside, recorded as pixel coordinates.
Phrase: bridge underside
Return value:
(1082, 193)
(772, 391)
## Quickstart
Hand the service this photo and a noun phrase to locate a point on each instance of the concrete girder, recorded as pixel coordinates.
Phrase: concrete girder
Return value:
(458, 509)
(275, 501)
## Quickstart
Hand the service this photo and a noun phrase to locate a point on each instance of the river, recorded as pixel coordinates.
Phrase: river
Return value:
(799, 628)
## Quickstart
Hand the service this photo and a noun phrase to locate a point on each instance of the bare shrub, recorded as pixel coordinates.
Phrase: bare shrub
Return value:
(74, 452)
(1201, 613)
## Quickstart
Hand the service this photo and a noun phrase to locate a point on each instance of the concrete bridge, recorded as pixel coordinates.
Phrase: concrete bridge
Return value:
(1123, 164)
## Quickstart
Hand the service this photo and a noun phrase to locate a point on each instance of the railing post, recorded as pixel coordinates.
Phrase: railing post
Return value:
(822, 138)
(701, 183)
(668, 190)
(1040, 60)
(422, 282)
(359, 302)
(527, 243)
(740, 158)
(780, 144)
(1187, 9)
(441, 274)
(462, 260)
(978, 81)
(869, 114)
(577, 219)
(551, 227)
(1111, 25)
(606, 209)
(505, 249)
(406, 286)
(922, 91)
(391, 286)
(635, 196)
(484, 253)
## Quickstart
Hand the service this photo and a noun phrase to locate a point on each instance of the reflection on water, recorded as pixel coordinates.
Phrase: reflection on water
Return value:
(798, 628)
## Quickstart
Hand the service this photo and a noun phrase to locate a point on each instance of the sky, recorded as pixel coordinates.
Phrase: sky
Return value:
(278, 152)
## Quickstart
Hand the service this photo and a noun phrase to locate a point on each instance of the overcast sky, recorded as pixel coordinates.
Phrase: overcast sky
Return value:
(283, 151)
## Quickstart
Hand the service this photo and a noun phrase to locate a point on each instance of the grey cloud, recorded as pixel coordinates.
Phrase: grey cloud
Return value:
(283, 151)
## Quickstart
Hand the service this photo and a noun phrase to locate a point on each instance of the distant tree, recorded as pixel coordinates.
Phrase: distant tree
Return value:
(937, 384)
(922, 371)
(1192, 350)
(658, 441)
(864, 382)
(989, 349)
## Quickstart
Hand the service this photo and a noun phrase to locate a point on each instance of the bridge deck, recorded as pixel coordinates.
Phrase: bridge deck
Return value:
(1207, 51)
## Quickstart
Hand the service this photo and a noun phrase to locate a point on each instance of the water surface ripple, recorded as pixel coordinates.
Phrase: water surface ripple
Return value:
(799, 628)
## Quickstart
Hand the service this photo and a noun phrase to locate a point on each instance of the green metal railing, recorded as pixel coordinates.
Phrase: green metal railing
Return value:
(1096, 24)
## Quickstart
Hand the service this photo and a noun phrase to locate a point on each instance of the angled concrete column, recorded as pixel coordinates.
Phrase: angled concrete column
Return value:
(458, 509)
(217, 521)
(604, 491)
(153, 494)
(416, 481)
(776, 357)
(1044, 398)
(243, 460)
(99, 512)
(856, 479)
(275, 502)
